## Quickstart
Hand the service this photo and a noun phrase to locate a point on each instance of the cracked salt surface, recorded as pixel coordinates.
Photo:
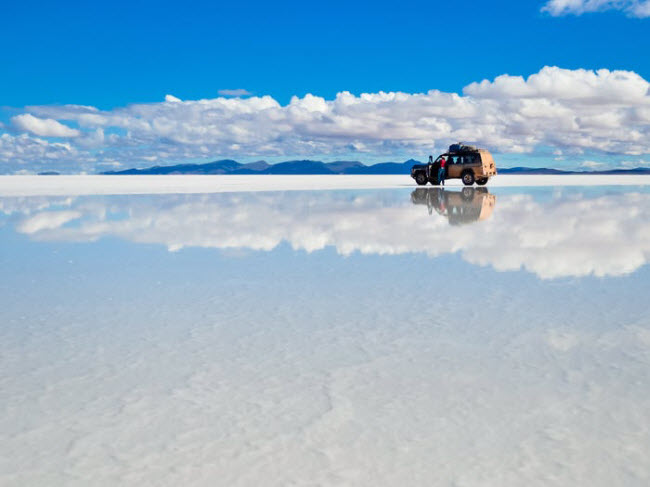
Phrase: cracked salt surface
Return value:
(338, 338)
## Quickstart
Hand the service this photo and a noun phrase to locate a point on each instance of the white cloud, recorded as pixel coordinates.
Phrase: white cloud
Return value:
(573, 111)
(171, 98)
(24, 149)
(235, 92)
(635, 163)
(640, 9)
(44, 127)
(633, 8)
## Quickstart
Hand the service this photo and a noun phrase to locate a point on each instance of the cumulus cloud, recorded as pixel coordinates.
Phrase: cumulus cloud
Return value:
(235, 92)
(635, 163)
(571, 235)
(633, 8)
(573, 111)
(641, 9)
(171, 98)
(44, 127)
(24, 149)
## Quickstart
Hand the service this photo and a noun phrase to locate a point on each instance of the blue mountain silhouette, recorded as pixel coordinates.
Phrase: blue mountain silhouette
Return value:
(228, 166)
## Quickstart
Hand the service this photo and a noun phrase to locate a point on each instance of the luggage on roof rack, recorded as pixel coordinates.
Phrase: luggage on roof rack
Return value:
(460, 147)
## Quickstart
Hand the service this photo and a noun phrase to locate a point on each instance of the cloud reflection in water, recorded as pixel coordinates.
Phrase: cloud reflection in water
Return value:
(568, 234)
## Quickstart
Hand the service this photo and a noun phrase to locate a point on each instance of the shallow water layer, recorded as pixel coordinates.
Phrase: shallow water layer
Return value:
(364, 337)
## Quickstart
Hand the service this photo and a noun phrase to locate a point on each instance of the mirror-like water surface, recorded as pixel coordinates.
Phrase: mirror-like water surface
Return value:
(369, 337)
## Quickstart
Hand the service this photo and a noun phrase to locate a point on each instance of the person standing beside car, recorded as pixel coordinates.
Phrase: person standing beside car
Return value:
(441, 171)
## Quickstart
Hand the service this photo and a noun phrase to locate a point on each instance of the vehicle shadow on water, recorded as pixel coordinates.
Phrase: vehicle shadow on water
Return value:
(468, 205)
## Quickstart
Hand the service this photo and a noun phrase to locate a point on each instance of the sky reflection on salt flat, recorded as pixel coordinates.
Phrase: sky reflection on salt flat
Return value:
(551, 233)
(371, 338)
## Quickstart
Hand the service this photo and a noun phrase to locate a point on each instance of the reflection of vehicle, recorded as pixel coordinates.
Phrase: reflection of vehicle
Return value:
(466, 206)
(463, 161)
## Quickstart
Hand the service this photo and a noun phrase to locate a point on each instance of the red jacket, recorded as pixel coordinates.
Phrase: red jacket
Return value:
(443, 163)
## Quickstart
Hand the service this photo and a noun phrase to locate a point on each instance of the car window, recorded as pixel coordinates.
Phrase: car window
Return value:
(469, 159)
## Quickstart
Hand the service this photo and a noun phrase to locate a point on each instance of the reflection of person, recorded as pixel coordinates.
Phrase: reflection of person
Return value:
(441, 171)
(442, 206)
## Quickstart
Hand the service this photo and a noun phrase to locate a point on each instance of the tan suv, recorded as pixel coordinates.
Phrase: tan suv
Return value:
(463, 162)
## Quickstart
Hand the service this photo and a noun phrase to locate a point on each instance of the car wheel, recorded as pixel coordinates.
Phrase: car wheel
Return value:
(482, 182)
(468, 178)
(421, 178)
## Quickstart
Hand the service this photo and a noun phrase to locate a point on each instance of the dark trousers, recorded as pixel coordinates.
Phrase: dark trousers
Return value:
(441, 176)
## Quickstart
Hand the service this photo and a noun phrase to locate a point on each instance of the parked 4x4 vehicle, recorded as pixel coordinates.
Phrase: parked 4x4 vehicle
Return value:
(464, 162)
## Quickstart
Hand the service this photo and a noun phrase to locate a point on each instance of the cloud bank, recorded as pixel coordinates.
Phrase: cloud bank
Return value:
(569, 111)
(633, 8)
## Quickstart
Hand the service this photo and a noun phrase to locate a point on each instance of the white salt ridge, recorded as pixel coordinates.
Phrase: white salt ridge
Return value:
(98, 184)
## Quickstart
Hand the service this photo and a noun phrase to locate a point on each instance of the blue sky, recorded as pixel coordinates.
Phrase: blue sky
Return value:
(110, 56)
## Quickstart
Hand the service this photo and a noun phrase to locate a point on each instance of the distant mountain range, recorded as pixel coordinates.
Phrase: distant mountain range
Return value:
(228, 166)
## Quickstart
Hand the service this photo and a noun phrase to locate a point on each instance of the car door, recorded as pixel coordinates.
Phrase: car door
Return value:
(453, 167)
